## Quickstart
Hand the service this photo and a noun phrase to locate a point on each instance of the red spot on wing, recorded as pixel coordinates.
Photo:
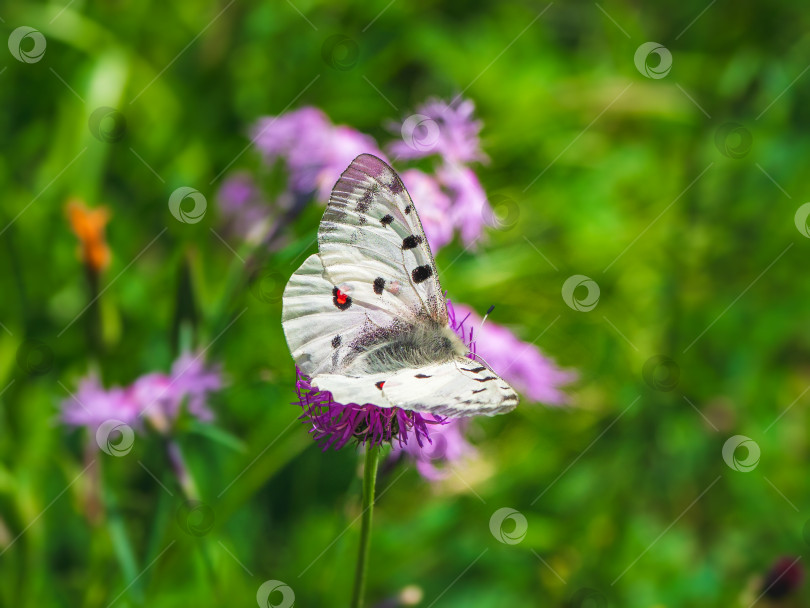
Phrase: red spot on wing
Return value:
(341, 297)
(379, 384)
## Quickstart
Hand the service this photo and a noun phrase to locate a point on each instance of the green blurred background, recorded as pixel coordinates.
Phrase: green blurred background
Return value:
(684, 230)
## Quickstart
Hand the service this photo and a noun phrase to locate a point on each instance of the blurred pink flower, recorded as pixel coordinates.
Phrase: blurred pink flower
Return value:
(448, 445)
(316, 151)
(433, 206)
(92, 404)
(244, 211)
(521, 364)
(469, 210)
(437, 127)
(155, 395)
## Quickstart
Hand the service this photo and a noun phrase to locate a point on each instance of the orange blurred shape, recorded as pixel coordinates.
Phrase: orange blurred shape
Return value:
(88, 224)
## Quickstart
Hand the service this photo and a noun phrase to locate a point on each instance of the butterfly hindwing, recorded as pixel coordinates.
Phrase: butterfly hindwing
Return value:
(461, 387)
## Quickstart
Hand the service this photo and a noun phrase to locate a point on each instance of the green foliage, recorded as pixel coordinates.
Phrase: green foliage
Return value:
(616, 176)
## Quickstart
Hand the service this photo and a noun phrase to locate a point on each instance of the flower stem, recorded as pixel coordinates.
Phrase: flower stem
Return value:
(369, 481)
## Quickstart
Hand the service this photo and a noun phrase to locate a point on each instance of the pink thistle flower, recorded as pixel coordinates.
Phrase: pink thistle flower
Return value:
(156, 395)
(315, 151)
(448, 130)
(92, 404)
(448, 445)
(470, 208)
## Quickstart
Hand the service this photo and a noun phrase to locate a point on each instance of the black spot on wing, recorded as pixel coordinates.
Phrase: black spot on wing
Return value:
(386, 219)
(479, 390)
(421, 273)
(364, 203)
(408, 209)
(379, 384)
(379, 284)
(422, 376)
(409, 242)
(336, 341)
(477, 369)
(485, 379)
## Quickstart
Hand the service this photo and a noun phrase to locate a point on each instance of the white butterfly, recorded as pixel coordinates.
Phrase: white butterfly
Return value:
(366, 319)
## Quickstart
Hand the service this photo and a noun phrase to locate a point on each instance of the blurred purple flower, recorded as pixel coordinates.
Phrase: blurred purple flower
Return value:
(316, 151)
(521, 364)
(157, 396)
(244, 211)
(783, 579)
(194, 381)
(470, 208)
(92, 404)
(448, 445)
(433, 205)
(440, 128)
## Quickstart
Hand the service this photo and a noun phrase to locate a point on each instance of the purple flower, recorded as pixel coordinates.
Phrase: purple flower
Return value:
(157, 396)
(470, 209)
(193, 381)
(316, 152)
(334, 424)
(92, 404)
(448, 445)
(441, 128)
(521, 364)
(243, 209)
(433, 205)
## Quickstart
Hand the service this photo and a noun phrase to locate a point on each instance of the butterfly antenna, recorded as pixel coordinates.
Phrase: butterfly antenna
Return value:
(491, 308)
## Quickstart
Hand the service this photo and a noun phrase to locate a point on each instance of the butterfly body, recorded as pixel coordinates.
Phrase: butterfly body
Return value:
(366, 319)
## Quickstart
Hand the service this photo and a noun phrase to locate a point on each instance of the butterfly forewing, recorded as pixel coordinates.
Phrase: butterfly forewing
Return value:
(372, 242)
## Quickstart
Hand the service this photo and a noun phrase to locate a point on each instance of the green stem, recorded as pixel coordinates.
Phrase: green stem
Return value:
(369, 481)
